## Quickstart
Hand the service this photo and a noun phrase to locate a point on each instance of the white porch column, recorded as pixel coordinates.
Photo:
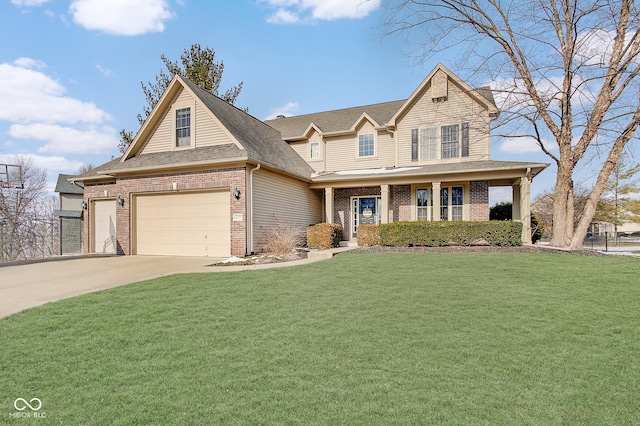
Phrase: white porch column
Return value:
(436, 201)
(515, 198)
(525, 208)
(328, 204)
(384, 201)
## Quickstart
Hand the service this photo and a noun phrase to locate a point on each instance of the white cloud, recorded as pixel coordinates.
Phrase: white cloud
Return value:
(287, 109)
(66, 140)
(293, 11)
(46, 163)
(29, 63)
(29, 3)
(31, 96)
(104, 71)
(525, 145)
(283, 17)
(121, 17)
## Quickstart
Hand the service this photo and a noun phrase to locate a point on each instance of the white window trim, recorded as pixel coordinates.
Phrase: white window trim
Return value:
(174, 108)
(430, 212)
(438, 128)
(375, 146)
(319, 157)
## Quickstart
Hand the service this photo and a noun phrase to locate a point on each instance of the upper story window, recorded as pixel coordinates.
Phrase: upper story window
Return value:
(314, 152)
(429, 144)
(450, 141)
(183, 127)
(366, 145)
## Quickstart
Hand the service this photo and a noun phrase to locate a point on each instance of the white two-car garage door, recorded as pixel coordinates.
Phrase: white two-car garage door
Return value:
(183, 224)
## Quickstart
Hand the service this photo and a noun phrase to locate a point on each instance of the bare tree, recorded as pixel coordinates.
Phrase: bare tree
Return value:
(85, 168)
(198, 64)
(27, 225)
(568, 72)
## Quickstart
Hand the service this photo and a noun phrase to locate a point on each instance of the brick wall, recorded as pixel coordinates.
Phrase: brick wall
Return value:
(400, 203)
(342, 206)
(479, 203)
(209, 179)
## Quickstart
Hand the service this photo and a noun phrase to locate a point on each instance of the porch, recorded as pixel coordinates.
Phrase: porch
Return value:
(408, 195)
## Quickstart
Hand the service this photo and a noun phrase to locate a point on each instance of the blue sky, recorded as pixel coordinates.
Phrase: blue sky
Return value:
(70, 70)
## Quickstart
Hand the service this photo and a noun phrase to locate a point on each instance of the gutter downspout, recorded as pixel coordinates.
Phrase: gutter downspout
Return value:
(250, 222)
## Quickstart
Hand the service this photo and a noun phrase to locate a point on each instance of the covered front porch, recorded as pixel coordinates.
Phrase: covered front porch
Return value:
(424, 193)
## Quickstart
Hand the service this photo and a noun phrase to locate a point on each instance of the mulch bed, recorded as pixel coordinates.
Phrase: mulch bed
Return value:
(301, 254)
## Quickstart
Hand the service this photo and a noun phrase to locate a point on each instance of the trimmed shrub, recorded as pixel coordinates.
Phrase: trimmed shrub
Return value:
(368, 235)
(437, 234)
(504, 211)
(324, 235)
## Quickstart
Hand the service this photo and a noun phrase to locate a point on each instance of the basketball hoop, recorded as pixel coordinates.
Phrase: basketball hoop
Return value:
(10, 176)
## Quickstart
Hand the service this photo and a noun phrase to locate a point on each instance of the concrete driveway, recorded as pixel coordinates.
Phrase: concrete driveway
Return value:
(34, 284)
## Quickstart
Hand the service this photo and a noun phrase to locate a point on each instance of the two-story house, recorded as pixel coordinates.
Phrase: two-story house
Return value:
(204, 178)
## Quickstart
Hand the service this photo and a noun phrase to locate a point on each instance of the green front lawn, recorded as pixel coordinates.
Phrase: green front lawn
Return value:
(364, 338)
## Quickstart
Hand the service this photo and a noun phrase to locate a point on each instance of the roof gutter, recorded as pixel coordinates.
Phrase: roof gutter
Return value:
(250, 221)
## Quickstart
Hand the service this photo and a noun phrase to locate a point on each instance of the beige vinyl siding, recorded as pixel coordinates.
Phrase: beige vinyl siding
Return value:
(278, 199)
(342, 152)
(300, 147)
(205, 130)
(458, 108)
(208, 132)
(162, 138)
(71, 201)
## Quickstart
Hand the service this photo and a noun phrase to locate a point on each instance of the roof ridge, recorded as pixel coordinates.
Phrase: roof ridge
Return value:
(339, 109)
(194, 85)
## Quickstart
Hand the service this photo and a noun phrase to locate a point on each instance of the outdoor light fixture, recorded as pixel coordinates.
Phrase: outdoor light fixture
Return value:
(120, 201)
(83, 205)
(236, 193)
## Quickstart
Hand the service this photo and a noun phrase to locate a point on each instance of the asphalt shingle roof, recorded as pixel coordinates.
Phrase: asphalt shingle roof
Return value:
(63, 186)
(261, 142)
(334, 121)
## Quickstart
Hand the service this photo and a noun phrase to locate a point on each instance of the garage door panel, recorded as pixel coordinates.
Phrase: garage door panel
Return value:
(187, 224)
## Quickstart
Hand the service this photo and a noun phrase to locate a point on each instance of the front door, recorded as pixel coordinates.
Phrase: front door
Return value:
(365, 211)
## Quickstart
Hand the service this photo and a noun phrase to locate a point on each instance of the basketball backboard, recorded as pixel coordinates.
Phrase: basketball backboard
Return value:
(10, 176)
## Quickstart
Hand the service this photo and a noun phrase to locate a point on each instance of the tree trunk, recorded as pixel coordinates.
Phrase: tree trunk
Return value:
(563, 209)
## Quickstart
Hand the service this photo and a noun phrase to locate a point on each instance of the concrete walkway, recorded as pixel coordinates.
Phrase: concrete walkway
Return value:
(26, 285)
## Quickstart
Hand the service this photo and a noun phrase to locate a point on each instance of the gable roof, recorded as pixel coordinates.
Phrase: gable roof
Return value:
(340, 120)
(261, 142)
(384, 114)
(64, 186)
(252, 140)
(482, 95)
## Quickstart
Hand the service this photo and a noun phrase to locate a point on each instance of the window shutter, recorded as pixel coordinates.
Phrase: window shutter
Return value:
(414, 145)
(465, 139)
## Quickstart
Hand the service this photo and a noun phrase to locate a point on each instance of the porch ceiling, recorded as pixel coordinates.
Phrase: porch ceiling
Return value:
(461, 171)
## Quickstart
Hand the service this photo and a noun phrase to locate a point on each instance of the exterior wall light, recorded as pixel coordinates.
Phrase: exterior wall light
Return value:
(120, 201)
(236, 193)
(83, 205)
